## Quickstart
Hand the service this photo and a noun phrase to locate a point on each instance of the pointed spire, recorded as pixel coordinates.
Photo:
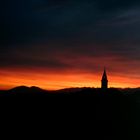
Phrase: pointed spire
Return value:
(104, 77)
(104, 81)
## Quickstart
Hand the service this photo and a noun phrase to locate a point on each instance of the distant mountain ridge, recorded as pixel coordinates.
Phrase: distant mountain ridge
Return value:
(23, 90)
(33, 90)
(26, 89)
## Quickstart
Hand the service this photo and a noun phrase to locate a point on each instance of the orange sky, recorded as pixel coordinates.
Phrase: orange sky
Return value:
(53, 81)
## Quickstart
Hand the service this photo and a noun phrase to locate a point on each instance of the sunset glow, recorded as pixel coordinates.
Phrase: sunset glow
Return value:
(59, 81)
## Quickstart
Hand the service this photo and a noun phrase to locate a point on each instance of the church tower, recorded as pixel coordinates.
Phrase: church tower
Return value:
(104, 81)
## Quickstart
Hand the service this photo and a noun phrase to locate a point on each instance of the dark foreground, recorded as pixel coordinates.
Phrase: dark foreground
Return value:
(74, 113)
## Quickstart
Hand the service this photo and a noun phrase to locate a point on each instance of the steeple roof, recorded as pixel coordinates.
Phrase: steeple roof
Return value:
(104, 77)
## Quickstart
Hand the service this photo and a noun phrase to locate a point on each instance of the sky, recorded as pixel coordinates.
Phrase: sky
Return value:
(58, 44)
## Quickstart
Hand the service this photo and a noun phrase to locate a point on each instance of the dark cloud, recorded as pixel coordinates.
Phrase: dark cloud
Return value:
(64, 34)
(27, 21)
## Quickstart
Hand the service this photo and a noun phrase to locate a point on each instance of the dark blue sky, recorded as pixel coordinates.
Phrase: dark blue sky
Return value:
(71, 34)
(95, 20)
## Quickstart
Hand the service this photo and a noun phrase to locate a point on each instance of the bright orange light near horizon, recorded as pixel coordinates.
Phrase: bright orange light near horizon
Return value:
(59, 81)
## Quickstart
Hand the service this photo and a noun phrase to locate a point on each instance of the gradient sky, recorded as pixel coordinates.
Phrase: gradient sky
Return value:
(57, 44)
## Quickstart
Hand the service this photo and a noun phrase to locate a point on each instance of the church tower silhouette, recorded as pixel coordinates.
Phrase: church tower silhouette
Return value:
(104, 81)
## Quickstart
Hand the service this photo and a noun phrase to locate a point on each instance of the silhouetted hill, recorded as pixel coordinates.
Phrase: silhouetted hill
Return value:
(130, 90)
(118, 109)
(20, 89)
(24, 91)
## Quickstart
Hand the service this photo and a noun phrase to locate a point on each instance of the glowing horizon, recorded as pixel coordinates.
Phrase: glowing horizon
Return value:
(58, 81)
